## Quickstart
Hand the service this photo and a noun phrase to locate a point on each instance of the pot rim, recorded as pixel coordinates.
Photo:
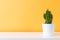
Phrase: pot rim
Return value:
(48, 24)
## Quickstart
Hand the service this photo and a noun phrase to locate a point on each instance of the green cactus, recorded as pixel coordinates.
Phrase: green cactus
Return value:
(48, 17)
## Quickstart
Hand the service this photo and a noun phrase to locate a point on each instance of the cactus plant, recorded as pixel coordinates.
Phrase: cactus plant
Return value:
(48, 17)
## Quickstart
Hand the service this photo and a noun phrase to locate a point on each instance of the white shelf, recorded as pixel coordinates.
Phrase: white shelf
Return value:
(27, 36)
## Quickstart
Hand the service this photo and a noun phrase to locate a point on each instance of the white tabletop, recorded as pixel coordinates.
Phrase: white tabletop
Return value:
(26, 35)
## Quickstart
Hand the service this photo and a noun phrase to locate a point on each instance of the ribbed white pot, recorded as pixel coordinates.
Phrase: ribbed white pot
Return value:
(48, 29)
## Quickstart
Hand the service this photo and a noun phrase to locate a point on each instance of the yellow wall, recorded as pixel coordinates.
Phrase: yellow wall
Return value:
(27, 15)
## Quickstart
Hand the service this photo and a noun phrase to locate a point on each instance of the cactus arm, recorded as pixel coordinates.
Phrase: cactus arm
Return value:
(44, 16)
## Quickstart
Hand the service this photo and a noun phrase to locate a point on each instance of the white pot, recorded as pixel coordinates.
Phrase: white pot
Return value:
(48, 29)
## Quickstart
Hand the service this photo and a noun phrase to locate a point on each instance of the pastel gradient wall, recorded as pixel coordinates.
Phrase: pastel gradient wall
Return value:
(27, 15)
